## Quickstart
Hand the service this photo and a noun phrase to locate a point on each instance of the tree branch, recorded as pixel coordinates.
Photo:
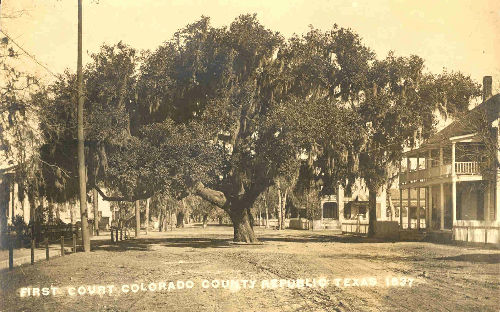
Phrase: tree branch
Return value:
(105, 197)
(215, 197)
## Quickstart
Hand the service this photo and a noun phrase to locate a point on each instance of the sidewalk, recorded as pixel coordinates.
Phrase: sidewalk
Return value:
(23, 255)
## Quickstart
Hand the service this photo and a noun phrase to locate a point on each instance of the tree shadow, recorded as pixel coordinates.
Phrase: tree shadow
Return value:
(479, 258)
(344, 239)
(145, 244)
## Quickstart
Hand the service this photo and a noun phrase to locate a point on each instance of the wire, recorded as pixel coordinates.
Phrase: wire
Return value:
(29, 54)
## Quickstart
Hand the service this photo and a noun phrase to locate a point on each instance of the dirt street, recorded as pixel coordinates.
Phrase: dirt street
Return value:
(196, 269)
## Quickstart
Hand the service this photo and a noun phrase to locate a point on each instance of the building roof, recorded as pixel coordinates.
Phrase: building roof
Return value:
(458, 128)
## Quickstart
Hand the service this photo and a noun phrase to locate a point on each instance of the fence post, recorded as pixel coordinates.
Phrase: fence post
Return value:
(47, 247)
(11, 253)
(121, 234)
(116, 236)
(62, 245)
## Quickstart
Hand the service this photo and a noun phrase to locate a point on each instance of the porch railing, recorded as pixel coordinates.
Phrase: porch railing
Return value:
(467, 167)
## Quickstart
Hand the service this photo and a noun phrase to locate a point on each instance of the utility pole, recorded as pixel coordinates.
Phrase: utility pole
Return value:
(81, 156)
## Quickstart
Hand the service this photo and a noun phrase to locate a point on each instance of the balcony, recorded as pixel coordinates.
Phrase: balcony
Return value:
(444, 171)
(467, 167)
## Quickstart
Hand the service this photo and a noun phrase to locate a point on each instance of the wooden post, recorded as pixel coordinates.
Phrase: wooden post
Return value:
(121, 234)
(47, 256)
(112, 237)
(62, 245)
(116, 235)
(74, 242)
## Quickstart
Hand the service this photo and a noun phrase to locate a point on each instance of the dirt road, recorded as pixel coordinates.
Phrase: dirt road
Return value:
(197, 269)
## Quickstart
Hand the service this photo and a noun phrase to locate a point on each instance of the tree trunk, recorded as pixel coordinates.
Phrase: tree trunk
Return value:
(160, 220)
(170, 220)
(96, 211)
(137, 219)
(166, 222)
(279, 205)
(58, 214)
(283, 209)
(267, 213)
(238, 210)
(391, 204)
(31, 200)
(51, 212)
(260, 215)
(372, 208)
(205, 220)
(146, 221)
(243, 231)
(180, 219)
(4, 208)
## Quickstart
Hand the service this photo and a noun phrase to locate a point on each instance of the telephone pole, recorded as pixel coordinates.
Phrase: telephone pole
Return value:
(81, 156)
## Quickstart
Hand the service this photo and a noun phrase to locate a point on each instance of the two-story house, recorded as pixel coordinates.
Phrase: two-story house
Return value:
(458, 169)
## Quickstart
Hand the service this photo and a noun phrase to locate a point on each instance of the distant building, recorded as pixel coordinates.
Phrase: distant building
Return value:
(342, 207)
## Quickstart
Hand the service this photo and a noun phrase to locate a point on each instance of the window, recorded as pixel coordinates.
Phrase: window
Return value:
(330, 210)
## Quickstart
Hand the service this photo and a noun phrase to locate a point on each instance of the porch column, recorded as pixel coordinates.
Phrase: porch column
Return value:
(340, 203)
(454, 200)
(497, 183)
(426, 205)
(408, 164)
(429, 198)
(441, 160)
(429, 194)
(400, 200)
(418, 208)
(441, 204)
(453, 185)
(408, 208)
(418, 194)
(400, 207)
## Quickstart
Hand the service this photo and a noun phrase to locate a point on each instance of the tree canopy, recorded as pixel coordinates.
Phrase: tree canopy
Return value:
(224, 113)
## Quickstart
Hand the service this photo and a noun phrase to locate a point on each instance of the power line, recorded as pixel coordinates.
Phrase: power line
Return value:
(29, 54)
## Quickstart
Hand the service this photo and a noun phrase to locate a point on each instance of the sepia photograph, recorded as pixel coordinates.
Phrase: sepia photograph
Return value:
(249, 155)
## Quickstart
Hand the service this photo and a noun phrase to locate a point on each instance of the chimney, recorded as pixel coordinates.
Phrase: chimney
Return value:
(487, 82)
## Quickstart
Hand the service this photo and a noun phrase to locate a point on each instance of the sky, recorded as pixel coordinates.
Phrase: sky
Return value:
(459, 35)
